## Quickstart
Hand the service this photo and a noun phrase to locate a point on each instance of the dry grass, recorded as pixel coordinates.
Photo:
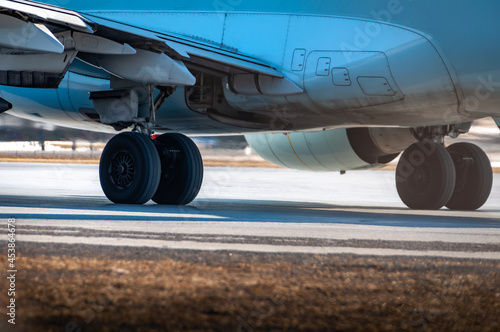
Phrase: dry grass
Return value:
(235, 292)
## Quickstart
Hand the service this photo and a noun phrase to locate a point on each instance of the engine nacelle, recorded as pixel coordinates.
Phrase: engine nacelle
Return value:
(333, 150)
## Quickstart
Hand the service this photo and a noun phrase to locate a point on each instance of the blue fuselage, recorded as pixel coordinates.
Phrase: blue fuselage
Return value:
(440, 59)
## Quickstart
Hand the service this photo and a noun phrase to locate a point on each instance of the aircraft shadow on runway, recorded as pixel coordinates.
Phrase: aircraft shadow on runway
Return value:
(218, 210)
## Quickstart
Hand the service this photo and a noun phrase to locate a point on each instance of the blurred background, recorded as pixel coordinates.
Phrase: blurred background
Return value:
(25, 140)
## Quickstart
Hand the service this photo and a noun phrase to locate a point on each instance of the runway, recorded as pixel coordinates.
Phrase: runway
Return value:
(247, 210)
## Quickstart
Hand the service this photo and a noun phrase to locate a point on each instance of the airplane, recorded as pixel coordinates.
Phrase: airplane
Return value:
(313, 85)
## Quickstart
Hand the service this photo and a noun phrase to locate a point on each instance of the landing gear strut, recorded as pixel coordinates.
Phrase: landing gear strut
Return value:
(134, 170)
(429, 176)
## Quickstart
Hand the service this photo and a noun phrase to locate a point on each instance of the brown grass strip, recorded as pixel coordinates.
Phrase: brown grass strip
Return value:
(232, 292)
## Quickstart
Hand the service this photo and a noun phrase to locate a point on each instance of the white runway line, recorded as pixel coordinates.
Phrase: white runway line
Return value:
(52, 200)
(261, 248)
(328, 231)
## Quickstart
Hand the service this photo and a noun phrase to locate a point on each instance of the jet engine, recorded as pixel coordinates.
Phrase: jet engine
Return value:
(333, 150)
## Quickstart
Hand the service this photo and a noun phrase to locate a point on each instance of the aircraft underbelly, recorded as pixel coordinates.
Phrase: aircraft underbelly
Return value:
(358, 72)
(403, 84)
(377, 72)
(337, 81)
(340, 72)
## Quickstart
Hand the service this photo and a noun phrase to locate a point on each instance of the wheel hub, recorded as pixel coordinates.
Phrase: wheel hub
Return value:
(122, 170)
(421, 179)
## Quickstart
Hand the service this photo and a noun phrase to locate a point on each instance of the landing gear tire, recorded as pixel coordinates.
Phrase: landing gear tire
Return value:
(181, 170)
(425, 176)
(130, 169)
(474, 177)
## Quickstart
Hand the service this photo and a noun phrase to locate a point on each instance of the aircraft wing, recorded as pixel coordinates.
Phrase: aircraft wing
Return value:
(39, 42)
(194, 53)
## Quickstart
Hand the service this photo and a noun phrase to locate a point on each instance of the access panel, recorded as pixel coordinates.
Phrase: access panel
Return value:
(354, 80)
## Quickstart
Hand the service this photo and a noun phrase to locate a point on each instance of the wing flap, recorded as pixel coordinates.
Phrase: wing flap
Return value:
(36, 37)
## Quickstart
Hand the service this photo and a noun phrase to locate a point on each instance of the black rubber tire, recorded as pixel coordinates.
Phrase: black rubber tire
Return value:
(130, 169)
(474, 177)
(181, 178)
(425, 176)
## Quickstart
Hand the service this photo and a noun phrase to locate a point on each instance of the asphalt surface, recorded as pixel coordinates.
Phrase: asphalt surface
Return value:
(246, 210)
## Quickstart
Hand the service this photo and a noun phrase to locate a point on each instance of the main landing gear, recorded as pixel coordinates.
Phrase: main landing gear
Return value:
(429, 176)
(135, 169)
